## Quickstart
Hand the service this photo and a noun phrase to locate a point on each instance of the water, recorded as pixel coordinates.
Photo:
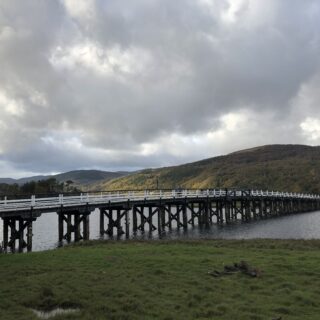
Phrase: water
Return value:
(296, 226)
(53, 313)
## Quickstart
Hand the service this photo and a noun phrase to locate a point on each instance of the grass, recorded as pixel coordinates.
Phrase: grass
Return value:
(164, 280)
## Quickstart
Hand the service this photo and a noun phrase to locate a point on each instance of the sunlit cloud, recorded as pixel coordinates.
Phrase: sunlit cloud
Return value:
(311, 129)
(120, 85)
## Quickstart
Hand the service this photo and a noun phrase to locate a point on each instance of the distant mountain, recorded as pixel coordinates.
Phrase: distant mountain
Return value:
(293, 168)
(79, 177)
(8, 180)
(23, 180)
(84, 177)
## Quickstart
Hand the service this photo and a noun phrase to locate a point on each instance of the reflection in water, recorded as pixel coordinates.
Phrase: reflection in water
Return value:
(296, 226)
(53, 313)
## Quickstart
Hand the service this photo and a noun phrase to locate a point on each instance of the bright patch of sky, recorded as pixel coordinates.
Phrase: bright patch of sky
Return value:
(120, 85)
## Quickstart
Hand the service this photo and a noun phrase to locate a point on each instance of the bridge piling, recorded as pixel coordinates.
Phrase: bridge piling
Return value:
(163, 217)
(75, 220)
(69, 228)
(20, 230)
(184, 215)
(127, 224)
(86, 226)
(134, 220)
(169, 216)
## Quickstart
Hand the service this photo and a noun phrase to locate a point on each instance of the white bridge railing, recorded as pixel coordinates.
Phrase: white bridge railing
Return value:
(118, 197)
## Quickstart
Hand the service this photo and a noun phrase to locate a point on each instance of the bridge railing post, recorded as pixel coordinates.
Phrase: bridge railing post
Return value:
(33, 200)
(60, 199)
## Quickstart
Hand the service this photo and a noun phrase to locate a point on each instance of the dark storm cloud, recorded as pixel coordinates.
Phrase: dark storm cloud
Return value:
(126, 84)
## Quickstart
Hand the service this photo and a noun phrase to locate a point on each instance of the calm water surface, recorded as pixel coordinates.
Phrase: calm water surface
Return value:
(297, 226)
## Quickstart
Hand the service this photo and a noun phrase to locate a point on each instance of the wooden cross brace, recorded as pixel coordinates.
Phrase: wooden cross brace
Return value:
(175, 216)
(194, 213)
(115, 222)
(145, 219)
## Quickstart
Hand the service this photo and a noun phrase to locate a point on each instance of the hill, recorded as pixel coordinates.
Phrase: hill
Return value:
(79, 177)
(84, 177)
(293, 168)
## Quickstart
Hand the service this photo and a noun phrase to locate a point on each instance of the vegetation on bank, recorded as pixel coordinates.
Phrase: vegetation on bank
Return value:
(47, 186)
(72, 181)
(165, 280)
(293, 168)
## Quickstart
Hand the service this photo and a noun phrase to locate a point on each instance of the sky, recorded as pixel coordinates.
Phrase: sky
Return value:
(125, 85)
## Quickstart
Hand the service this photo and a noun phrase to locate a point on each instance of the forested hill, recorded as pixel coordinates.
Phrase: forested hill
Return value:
(78, 177)
(72, 181)
(293, 168)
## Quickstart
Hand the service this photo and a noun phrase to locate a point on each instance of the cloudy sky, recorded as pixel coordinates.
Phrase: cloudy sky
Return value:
(122, 85)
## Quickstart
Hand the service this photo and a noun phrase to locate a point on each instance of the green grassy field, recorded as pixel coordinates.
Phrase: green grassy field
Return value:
(164, 280)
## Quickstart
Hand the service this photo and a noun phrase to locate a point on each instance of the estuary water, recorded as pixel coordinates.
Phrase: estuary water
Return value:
(295, 226)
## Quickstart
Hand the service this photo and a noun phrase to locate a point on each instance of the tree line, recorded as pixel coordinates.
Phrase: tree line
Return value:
(47, 186)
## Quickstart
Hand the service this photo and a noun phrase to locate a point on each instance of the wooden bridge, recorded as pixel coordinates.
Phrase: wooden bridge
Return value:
(150, 211)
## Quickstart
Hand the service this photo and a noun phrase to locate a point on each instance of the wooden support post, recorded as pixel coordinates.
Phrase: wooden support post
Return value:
(142, 218)
(102, 228)
(5, 234)
(120, 231)
(159, 211)
(76, 228)
(261, 208)
(192, 213)
(242, 209)
(13, 235)
(163, 217)
(184, 215)
(29, 236)
(210, 212)
(86, 226)
(227, 211)
(150, 219)
(110, 222)
(69, 227)
(179, 209)
(235, 210)
(231, 210)
(206, 213)
(169, 216)
(220, 211)
(60, 226)
(134, 218)
(127, 222)
(247, 210)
